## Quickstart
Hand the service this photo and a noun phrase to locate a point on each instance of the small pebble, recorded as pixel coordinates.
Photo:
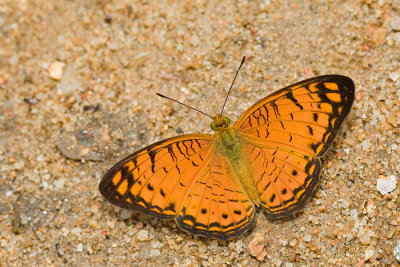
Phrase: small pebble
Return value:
(365, 145)
(387, 185)
(195, 40)
(79, 247)
(139, 225)
(369, 253)
(59, 250)
(375, 35)
(155, 244)
(394, 76)
(293, 242)
(125, 214)
(239, 246)
(56, 70)
(396, 251)
(81, 144)
(154, 252)
(89, 250)
(59, 183)
(257, 247)
(395, 23)
(396, 37)
(307, 238)
(142, 235)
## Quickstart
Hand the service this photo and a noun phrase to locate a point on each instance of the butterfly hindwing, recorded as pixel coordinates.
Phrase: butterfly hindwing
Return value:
(154, 179)
(284, 179)
(217, 206)
(285, 134)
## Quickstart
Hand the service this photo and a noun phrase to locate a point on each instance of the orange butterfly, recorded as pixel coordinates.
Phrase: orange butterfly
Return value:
(212, 184)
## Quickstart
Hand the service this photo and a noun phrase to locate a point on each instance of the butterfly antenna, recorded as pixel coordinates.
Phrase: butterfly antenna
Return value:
(222, 111)
(184, 105)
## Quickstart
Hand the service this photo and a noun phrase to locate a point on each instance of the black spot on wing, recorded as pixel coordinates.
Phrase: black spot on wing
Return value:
(162, 192)
(171, 207)
(151, 188)
(152, 155)
(294, 100)
(272, 198)
(310, 130)
(315, 117)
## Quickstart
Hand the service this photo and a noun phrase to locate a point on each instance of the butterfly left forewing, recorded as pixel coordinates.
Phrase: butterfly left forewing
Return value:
(304, 117)
(285, 134)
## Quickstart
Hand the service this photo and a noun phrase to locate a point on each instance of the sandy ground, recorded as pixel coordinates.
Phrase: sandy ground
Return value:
(78, 82)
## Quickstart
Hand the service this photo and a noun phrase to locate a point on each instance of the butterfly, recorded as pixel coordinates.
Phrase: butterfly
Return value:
(212, 185)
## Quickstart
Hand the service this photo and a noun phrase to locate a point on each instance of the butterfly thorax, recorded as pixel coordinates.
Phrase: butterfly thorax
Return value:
(230, 145)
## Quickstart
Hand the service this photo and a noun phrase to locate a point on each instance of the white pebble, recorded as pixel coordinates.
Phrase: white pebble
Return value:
(365, 145)
(59, 183)
(45, 184)
(395, 23)
(307, 238)
(239, 246)
(387, 185)
(154, 252)
(155, 244)
(396, 251)
(369, 253)
(195, 40)
(394, 76)
(354, 214)
(142, 235)
(396, 36)
(125, 214)
(56, 70)
(76, 231)
(79, 247)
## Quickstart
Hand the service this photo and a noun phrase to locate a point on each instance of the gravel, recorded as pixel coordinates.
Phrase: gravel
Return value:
(78, 83)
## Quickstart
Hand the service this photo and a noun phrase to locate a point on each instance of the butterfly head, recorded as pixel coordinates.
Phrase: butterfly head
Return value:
(220, 123)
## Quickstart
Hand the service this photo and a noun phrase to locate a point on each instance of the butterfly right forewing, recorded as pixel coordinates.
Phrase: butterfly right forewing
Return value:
(156, 179)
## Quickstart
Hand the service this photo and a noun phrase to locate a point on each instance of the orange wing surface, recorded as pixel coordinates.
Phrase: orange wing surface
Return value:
(217, 206)
(285, 134)
(156, 179)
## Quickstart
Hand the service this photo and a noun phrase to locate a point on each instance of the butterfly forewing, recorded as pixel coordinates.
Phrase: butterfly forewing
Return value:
(284, 135)
(304, 117)
(155, 179)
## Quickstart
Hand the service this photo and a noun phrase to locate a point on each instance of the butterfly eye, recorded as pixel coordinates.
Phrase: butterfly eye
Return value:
(226, 121)
(213, 126)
